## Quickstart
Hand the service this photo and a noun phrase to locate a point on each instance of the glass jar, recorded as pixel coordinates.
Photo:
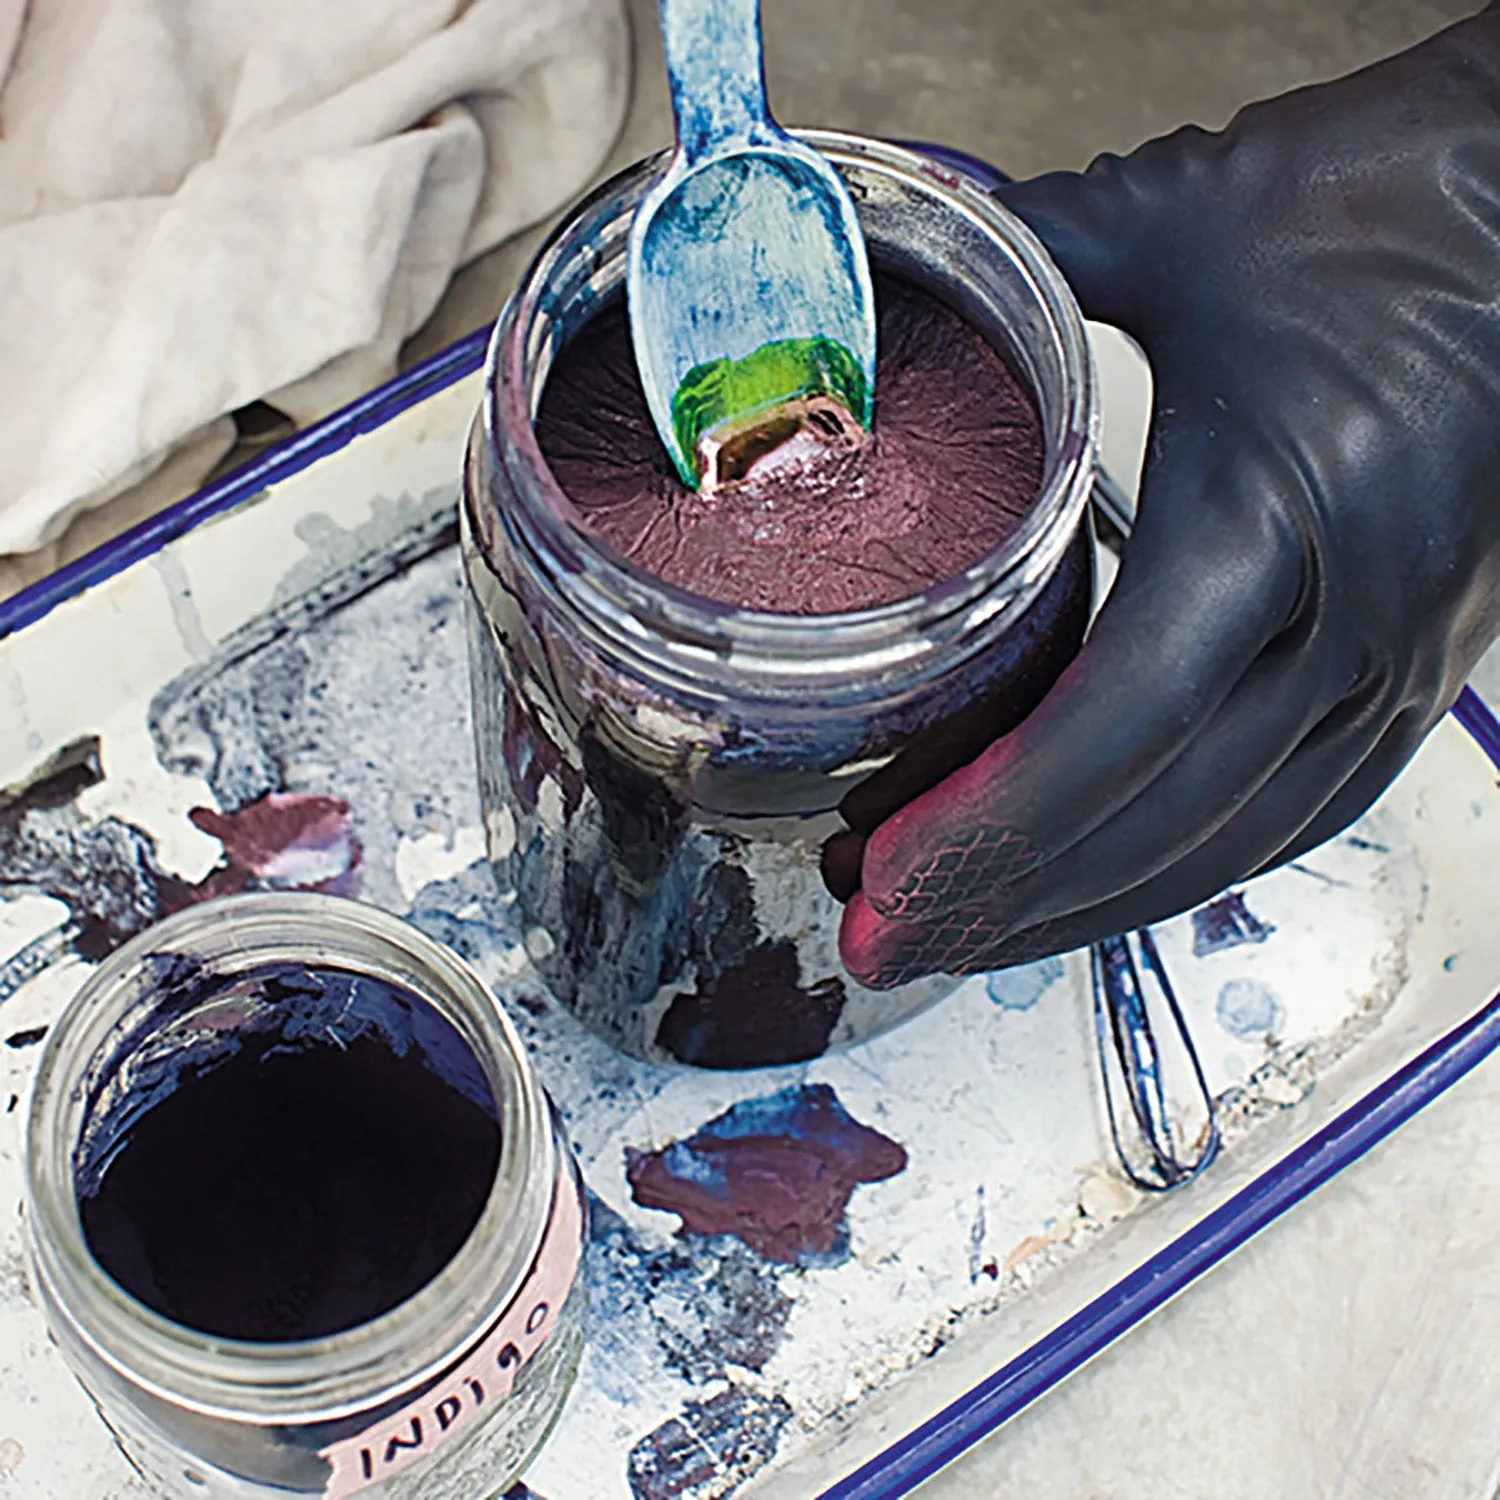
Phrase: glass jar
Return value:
(660, 771)
(444, 1397)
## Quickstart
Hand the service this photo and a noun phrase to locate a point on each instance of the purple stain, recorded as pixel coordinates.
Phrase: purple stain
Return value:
(284, 840)
(106, 872)
(753, 1013)
(1020, 989)
(709, 1448)
(1249, 1010)
(1226, 922)
(775, 1172)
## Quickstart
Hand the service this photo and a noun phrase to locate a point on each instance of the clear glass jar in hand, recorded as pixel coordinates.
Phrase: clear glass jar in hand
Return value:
(659, 771)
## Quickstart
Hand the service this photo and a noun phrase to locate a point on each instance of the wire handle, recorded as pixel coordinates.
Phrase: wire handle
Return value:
(1162, 1138)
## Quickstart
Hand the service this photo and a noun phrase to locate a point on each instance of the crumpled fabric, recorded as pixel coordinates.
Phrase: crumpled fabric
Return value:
(205, 204)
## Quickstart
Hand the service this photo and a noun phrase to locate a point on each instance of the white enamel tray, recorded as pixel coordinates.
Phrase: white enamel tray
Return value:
(296, 631)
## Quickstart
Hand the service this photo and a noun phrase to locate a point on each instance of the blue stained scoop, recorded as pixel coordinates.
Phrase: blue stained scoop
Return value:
(751, 308)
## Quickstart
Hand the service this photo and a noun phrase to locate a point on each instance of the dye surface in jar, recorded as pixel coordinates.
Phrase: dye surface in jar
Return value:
(952, 465)
(306, 1161)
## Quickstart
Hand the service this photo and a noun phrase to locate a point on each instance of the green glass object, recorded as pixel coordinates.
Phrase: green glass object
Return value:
(736, 390)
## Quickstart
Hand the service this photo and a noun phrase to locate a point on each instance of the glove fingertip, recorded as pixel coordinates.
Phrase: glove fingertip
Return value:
(894, 857)
(950, 848)
(864, 944)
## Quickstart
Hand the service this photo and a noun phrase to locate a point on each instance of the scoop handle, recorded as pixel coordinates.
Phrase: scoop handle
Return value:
(716, 75)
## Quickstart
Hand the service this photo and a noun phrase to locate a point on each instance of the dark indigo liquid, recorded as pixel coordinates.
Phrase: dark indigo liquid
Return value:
(318, 1169)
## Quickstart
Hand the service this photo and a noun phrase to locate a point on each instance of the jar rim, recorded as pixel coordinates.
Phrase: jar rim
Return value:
(342, 1373)
(631, 605)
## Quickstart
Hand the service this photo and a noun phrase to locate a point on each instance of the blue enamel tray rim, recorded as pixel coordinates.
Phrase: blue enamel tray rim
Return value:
(277, 463)
(937, 1442)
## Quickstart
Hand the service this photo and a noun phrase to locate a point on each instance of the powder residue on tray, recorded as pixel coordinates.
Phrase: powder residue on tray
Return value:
(951, 467)
(775, 1172)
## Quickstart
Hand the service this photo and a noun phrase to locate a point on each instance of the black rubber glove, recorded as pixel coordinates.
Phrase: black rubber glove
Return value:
(1316, 564)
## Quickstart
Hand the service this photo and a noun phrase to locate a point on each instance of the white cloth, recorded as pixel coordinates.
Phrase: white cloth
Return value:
(206, 202)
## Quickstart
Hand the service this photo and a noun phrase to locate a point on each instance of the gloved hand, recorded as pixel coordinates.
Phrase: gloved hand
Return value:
(1316, 563)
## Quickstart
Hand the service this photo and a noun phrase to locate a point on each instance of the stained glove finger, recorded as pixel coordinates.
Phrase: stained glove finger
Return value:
(1280, 701)
(1285, 692)
(1204, 587)
(1328, 773)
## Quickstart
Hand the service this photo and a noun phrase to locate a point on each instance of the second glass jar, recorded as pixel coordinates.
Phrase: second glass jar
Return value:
(444, 1397)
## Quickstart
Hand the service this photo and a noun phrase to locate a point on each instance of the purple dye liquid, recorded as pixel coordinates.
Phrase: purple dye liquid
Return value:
(317, 1177)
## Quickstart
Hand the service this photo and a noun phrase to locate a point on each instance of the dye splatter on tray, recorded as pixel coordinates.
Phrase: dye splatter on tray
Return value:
(780, 1261)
